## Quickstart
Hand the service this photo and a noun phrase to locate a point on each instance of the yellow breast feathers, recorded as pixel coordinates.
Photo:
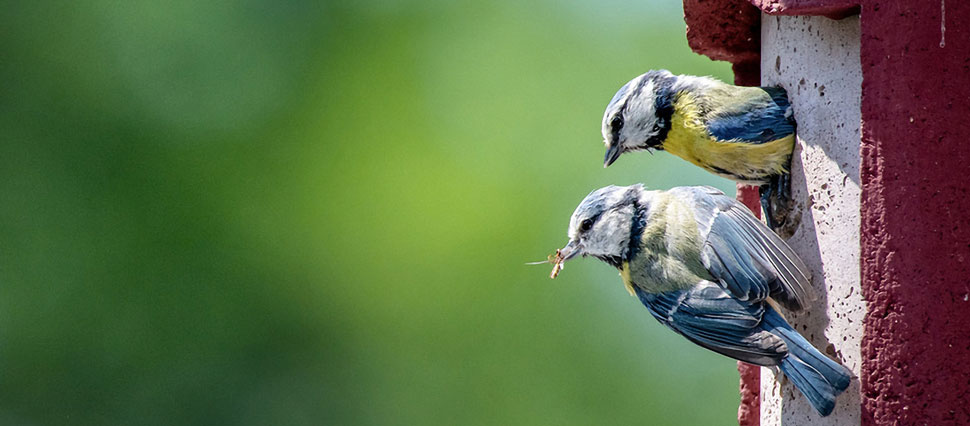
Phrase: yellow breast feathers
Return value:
(734, 159)
(669, 257)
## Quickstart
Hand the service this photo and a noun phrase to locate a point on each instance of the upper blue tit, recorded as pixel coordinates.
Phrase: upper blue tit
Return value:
(705, 267)
(745, 134)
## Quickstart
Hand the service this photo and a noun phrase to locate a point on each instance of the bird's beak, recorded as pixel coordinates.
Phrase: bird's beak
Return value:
(612, 153)
(562, 255)
(571, 250)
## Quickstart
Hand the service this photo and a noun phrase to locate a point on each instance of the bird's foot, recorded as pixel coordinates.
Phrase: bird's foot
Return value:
(776, 202)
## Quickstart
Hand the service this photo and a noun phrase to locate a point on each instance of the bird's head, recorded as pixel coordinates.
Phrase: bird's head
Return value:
(638, 116)
(603, 223)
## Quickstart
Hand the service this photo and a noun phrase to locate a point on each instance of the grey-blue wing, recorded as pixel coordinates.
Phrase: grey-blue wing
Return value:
(708, 316)
(746, 257)
(752, 114)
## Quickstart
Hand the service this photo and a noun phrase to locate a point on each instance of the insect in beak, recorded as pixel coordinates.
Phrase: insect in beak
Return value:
(560, 257)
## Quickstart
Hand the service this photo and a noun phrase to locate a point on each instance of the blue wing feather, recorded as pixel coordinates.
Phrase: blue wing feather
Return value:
(819, 378)
(750, 332)
(710, 317)
(758, 119)
(745, 257)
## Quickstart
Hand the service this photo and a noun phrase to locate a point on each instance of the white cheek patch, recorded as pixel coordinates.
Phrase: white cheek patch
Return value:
(614, 107)
(639, 115)
(643, 105)
(611, 233)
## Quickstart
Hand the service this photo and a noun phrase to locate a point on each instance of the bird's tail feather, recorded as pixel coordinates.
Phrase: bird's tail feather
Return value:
(816, 376)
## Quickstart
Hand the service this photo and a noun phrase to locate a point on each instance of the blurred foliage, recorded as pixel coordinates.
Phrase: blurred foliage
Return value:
(252, 213)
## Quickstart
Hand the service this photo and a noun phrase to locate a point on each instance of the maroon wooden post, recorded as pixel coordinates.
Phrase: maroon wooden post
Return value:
(915, 203)
(916, 212)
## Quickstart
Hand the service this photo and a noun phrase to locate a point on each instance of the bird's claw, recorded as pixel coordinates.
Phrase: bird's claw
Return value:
(777, 204)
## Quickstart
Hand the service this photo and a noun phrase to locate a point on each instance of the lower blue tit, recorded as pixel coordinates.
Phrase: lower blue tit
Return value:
(705, 267)
(745, 134)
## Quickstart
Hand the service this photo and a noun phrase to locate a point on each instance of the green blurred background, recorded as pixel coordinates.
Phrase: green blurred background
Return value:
(304, 213)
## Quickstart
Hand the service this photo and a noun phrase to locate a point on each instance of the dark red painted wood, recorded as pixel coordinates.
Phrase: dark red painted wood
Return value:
(835, 9)
(724, 30)
(916, 212)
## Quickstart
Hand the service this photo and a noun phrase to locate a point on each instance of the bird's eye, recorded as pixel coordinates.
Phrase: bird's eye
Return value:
(657, 126)
(617, 122)
(586, 225)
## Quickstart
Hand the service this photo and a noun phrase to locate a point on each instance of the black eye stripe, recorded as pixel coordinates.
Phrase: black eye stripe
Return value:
(617, 122)
(587, 223)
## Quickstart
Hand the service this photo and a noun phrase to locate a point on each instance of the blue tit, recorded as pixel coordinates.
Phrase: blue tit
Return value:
(745, 134)
(705, 267)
